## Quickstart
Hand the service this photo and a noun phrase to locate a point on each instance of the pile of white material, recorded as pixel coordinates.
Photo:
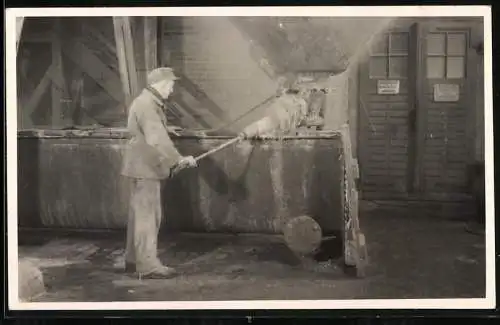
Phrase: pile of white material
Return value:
(283, 116)
(31, 284)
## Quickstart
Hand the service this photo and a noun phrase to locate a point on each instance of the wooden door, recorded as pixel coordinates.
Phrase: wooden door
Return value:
(446, 110)
(417, 111)
(386, 120)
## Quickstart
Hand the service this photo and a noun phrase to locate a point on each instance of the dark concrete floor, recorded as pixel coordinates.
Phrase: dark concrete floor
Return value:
(408, 258)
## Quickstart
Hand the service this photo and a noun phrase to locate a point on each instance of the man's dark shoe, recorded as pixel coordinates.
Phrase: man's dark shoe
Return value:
(161, 272)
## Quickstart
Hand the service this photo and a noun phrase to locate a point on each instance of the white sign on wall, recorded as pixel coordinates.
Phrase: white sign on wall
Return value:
(388, 87)
(446, 93)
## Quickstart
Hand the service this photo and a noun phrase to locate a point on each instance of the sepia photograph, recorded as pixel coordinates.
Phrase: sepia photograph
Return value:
(250, 158)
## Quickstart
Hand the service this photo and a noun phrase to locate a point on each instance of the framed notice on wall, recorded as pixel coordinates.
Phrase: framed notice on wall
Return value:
(388, 87)
(446, 93)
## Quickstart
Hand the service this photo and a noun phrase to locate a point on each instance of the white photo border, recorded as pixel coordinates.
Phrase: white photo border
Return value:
(366, 11)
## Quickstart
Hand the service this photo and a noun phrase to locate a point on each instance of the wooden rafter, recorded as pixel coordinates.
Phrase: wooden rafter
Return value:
(95, 68)
(126, 58)
(95, 32)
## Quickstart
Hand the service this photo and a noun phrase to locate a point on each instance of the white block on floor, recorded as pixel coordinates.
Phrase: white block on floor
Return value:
(31, 282)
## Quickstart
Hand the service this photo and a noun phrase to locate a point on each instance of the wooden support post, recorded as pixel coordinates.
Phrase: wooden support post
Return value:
(126, 60)
(19, 30)
(355, 251)
(57, 93)
(130, 57)
(151, 43)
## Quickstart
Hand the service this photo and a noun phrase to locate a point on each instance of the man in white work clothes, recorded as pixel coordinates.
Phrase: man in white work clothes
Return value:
(149, 159)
